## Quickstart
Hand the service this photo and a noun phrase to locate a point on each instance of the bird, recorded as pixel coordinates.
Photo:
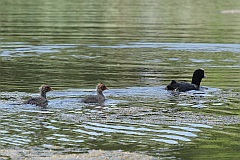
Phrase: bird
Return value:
(99, 98)
(197, 77)
(42, 99)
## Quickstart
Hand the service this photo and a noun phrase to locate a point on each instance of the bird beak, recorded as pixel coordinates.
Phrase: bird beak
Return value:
(205, 76)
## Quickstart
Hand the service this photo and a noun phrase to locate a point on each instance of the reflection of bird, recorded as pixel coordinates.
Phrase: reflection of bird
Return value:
(42, 99)
(184, 86)
(99, 98)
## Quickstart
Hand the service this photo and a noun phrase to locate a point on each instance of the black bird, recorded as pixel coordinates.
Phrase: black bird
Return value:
(198, 75)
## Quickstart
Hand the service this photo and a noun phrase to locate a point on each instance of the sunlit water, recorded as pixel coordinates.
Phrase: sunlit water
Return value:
(136, 52)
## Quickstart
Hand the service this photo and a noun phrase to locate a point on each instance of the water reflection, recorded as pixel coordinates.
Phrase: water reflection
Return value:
(136, 49)
(145, 116)
(191, 47)
(17, 49)
(66, 120)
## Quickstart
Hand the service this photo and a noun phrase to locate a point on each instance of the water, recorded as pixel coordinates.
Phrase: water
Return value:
(136, 49)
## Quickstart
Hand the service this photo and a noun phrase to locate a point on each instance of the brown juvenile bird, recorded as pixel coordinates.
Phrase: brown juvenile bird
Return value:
(99, 98)
(42, 99)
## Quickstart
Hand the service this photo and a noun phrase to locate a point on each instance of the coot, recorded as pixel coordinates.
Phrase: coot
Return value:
(99, 98)
(42, 99)
(184, 86)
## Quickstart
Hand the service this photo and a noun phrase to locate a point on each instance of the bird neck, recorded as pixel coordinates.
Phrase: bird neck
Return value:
(43, 94)
(196, 81)
(100, 93)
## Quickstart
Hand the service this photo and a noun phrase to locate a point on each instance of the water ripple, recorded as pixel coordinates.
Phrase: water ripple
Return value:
(23, 50)
(191, 47)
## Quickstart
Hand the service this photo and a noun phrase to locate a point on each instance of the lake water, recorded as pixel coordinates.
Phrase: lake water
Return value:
(136, 48)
